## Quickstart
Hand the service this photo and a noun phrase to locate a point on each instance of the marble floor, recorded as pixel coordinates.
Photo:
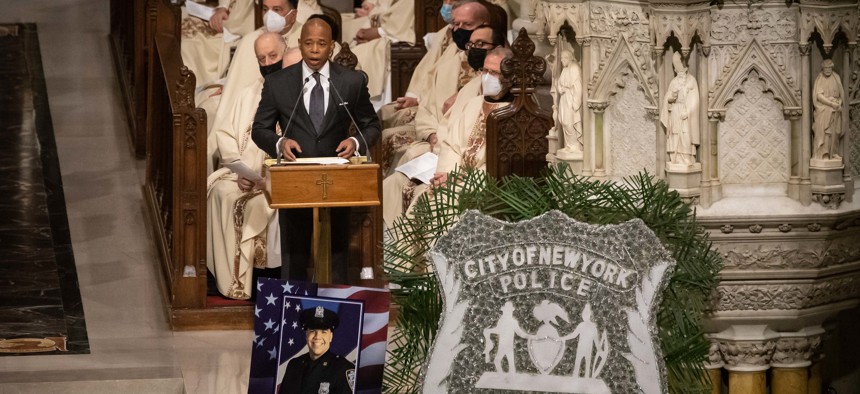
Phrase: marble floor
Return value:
(131, 348)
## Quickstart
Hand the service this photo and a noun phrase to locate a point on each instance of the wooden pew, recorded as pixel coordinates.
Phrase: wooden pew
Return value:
(516, 134)
(130, 51)
(175, 186)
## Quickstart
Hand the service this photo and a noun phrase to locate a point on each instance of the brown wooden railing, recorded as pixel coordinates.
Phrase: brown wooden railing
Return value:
(130, 49)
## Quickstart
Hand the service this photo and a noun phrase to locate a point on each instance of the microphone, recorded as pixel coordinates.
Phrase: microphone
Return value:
(290, 120)
(357, 129)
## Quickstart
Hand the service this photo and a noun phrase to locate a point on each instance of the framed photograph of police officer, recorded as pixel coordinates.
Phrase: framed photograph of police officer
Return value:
(320, 344)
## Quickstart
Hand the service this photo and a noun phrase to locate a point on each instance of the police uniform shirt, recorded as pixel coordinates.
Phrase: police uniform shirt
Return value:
(329, 374)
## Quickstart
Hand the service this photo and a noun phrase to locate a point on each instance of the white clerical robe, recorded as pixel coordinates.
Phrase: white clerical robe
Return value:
(396, 20)
(420, 84)
(463, 144)
(450, 73)
(428, 123)
(203, 50)
(243, 230)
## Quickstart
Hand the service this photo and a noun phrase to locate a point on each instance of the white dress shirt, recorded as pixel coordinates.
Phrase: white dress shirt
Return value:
(307, 73)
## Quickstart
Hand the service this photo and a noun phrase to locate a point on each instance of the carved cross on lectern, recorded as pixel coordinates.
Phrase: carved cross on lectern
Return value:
(324, 182)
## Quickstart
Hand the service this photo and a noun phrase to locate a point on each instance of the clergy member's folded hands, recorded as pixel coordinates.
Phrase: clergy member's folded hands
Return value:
(216, 22)
(406, 102)
(366, 34)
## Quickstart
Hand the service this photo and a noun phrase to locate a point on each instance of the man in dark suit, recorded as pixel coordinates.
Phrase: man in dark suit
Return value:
(317, 94)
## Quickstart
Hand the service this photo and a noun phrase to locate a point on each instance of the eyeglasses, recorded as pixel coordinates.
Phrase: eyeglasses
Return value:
(480, 45)
(497, 74)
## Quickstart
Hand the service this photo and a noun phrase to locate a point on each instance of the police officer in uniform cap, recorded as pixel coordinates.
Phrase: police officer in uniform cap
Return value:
(319, 371)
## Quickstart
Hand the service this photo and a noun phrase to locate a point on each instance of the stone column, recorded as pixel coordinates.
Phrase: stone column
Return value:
(597, 108)
(716, 191)
(795, 117)
(587, 123)
(704, 128)
(747, 351)
(658, 53)
(805, 189)
(846, 133)
(714, 366)
(791, 360)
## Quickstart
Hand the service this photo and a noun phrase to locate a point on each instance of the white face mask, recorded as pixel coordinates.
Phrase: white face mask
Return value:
(490, 85)
(274, 22)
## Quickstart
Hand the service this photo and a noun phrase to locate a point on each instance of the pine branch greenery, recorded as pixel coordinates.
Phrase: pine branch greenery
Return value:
(416, 290)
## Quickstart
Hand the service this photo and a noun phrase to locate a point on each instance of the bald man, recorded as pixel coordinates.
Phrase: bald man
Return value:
(243, 230)
(323, 94)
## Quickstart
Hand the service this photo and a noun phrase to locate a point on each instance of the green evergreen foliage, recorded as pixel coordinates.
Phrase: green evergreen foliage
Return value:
(416, 291)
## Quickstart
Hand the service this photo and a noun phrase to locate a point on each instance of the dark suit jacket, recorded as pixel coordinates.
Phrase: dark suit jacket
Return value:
(283, 88)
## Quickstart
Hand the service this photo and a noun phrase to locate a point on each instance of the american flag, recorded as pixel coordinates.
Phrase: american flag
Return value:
(374, 335)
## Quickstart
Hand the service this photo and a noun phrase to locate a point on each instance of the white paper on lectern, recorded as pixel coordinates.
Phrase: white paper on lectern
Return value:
(199, 10)
(420, 168)
(244, 171)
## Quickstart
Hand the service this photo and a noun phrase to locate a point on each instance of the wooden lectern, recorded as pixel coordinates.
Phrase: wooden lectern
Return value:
(322, 187)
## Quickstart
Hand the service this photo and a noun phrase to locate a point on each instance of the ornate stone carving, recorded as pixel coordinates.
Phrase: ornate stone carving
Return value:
(727, 228)
(680, 115)
(715, 359)
(786, 296)
(805, 255)
(568, 86)
(755, 228)
(624, 57)
(754, 142)
(785, 227)
(754, 57)
(795, 352)
(813, 227)
(597, 106)
(556, 14)
(682, 25)
(747, 354)
(828, 22)
(630, 133)
(829, 200)
(828, 100)
(739, 26)
(610, 20)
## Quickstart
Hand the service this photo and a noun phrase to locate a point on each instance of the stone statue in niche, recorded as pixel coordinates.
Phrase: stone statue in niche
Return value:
(680, 115)
(569, 117)
(827, 97)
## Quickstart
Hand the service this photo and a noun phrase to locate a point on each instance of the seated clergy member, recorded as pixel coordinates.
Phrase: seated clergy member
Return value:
(389, 21)
(243, 233)
(319, 370)
(463, 141)
(324, 95)
(205, 50)
(428, 118)
(279, 16)
(449, 74)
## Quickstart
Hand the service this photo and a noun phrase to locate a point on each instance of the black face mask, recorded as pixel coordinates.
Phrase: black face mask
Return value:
(461, 37)
(476, 58)
(266, 70)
